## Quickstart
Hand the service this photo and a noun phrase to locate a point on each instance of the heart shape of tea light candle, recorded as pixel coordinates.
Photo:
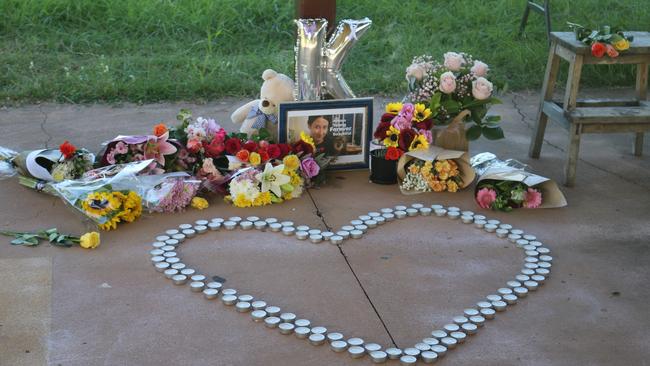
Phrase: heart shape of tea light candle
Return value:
(535, 271)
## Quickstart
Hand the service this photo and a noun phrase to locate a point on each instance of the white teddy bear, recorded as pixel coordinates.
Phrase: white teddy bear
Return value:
(263, 112)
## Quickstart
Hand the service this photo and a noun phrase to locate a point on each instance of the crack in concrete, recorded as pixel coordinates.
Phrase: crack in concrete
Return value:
(49, 137)
(530, 127)
(347, 261)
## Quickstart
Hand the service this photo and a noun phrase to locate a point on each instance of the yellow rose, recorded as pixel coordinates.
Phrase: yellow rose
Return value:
(89, 240)
(622, 45)
(199, 203)
(291, 162)
(255, 158)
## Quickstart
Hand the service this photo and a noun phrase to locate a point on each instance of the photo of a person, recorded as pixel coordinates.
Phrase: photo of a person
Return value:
(319, 127)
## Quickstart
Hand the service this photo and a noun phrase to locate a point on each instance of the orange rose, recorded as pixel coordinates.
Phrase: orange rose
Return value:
(243, 155)
(159, 129)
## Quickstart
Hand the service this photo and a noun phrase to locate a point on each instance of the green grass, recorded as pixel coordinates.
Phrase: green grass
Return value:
(150, 50)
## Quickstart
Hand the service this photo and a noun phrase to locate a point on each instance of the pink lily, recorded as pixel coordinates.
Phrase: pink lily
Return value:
(157, 147)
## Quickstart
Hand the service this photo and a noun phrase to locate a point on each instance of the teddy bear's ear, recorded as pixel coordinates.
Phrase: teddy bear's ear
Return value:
(269, 74)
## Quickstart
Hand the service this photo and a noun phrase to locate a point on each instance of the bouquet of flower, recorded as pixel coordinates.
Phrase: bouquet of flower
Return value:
(505, 185)
(604, 41)
(108, 208)
(127, 149)
(403, 128)
(460, 83)
(427, 176)
(172, 193)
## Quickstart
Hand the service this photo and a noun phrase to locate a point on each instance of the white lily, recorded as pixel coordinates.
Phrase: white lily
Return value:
(272, 179)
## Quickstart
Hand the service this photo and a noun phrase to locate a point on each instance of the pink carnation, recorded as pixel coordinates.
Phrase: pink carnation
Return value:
(533, 198)
(485, 197)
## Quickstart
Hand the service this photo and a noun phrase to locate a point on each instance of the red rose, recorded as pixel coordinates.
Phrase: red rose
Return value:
(302, 147)
(380, 132)
(274, 151)
(406, 136)
(424, 125)
(233, 145)
(611, 51)
(193, 146)
(242, 155)
(284, 150)
(250, 146)
(393, 153)
(214, 149)
(264, 155)
(67, 149)
(598, 49)
(387, 117)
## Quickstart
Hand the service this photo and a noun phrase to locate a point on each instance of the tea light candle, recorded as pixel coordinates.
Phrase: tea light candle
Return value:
(229, 299)
(460, 320)
(504, 291)
(440, 212)
(258, 305)
(527, 272)
(318, 330)
(302, 228)
(469, 328)
(162, 266)
(467, 213)
(425, 211)
(302, 235)
(488, 313)
(494, 222)
(288, 230)
(179, 279)
(470, 312)
(479, 217)
(484, 305)
(440, 350)
(169, 254)
(546, 265)
(229, 291)
(190, 233)
(258, 315)
(272, 322)
(400, 208)
(478, 320)
(400, 214)
(531, 265)
(271, 220)
(179, 237)
(168, 248)
(492, 298)
(288, 317)
(479, 223)
(210, 293)
(286, 223)
(246, 225)
(449, 342)
(522, 277)
(214, 285)
(386, 210)
(372, 347)
(510, 299)
(336, 239)
(275, 227)
(422, 346)
(362, 228)
(243, 306)
(198, 277)
(453, 215)
(505, 226)
(197, 286)
(451, 328)
(531, 285)
(370, 223)
(356, 234)
(522, 243)
(252, 218)
(380, 220)
(234, 218)
(184, 226)
(338, 346)
(169, 273)
(315, 239)
(513, 237)
(520, 291)
(499, 305)
(356, 351)
(245, 298)
(156, 252)
(188, 272)
(467, 219)
(546, 258)
(158, 244)
(172, 260)
(302, 323)
(356, 222)
(157, 259)
(517, 232)
(502, 233)
(286, 328)
(260, 225)
(334, 336)
(439, 334)
(412, 212)
(162, 237)
(407, 360)
(429, 357)
(411, 351)
(378, 356)
(536, 243)
(355, 341)
(171, 232)
(374, 214)
(543, 271)
(200, 229)
(394, 353)
(513, 284)
(530, 237)
(453, 208)
(490, 228)
(542, 250)
(388, 216)
(327, 235)
(316, 339)
(229, 225)
(531, 259)
(459, 337)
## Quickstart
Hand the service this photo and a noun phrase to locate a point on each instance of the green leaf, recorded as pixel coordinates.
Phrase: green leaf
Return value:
(434, 104)
(473, 132)
(17, 241)
(53, 237)
(52, 230)
(492, 133)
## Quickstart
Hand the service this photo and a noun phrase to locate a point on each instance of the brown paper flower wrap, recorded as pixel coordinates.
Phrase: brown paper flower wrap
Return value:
(453, 137)
(435, 153)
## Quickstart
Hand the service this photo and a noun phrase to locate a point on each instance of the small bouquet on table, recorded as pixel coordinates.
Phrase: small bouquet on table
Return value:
(506, 185)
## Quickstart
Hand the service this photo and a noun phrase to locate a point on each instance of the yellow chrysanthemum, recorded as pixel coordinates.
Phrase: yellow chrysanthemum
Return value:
(452, 186)
(437, 186)
(296, 179)
(306, 138)
(394, 108)
(199, 203)
(255, 158)
(132, 207)
(291, 162)
(263, 199)
(392, 137)
(443, 175)
(414, 169)
(443, 166)
(421, 112)
(241, 201)
(419, 143)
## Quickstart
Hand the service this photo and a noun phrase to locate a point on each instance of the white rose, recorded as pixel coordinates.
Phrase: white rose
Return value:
(447, 82)
(416, 71)
(481, 88)
(480, 68)
(453, 61)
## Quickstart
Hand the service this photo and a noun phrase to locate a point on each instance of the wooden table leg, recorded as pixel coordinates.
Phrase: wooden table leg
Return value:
(573, 83)
(641, 94)
(550, 78)
(572, 155)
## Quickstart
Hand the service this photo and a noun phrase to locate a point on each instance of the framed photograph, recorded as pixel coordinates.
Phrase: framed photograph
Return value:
(340, 128)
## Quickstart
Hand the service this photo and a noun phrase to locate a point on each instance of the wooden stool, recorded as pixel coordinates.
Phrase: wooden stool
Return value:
(539, 8)
(593, 115)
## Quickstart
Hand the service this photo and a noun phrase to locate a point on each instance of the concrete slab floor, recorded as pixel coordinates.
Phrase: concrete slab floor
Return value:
(109, 307)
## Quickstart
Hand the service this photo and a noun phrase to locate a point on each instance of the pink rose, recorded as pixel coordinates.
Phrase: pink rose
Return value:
(479, 68)
(416, 71)
(485, 197)
(532, 198)
(447, 82)
(309, 167)
(454, 61)
(481, 88)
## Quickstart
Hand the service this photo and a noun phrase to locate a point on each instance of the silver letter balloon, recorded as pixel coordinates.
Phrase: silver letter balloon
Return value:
(318, 64)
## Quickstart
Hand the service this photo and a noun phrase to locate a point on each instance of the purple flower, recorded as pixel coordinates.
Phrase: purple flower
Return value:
(309, 167)
(407, 111)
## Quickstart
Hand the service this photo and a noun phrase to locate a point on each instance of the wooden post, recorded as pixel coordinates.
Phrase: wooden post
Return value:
(550, 78)
(641, 95)
(308, 9)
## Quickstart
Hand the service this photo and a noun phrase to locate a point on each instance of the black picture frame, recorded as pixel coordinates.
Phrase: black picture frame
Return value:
(358, 131)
